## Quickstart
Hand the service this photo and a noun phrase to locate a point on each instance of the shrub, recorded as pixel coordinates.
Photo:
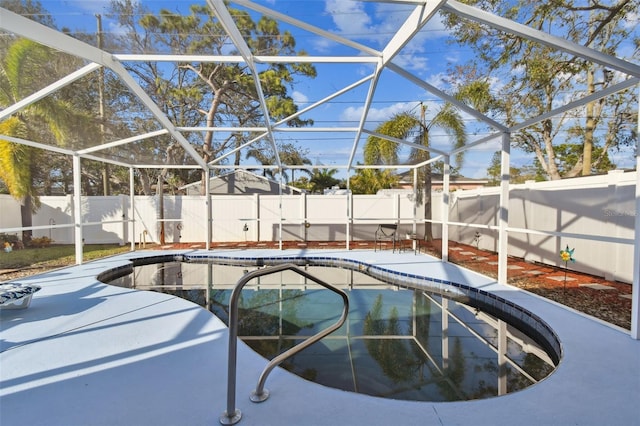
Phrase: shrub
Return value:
(41, 242)
(10, 238)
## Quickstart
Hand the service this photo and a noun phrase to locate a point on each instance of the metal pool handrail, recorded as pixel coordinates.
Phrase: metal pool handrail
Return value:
(232, 415)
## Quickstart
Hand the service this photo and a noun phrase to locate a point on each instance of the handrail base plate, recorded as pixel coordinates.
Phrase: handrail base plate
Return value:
(259, 397)
(226, 419)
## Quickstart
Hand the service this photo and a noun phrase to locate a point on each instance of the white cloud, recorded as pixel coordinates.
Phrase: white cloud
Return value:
(349, 16)
(322, 44)
(352, 20)
(410, 59)
(299, 98)
(377, 114)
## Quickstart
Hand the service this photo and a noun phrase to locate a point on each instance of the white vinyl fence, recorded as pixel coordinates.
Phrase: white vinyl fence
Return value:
(595, 215)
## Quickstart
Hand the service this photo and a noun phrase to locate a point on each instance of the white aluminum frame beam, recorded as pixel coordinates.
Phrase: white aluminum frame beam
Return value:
(635, 289)
(577, 104)
(234, 34)
(37, 32)
(263, 59)
(509, 26)
(277, 127)
(77, 208)
(312, 29)
(446, 97)
(412, 25)
(125, 141)
(503, 209)
(324, 100)
(365, 111)
(38, 145)
(406, 143)
(42, 93)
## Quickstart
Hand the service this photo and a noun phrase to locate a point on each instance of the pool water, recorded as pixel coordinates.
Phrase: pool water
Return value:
(397, 343)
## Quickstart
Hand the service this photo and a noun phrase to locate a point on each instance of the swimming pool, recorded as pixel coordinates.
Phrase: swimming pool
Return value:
(432, 341)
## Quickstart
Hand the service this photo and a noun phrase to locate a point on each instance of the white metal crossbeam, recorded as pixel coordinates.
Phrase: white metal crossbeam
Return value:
(12, 109)
(403, 142)
(223, 15)
(414, 23)
(35, 31)
(312, 29)
(479, 15)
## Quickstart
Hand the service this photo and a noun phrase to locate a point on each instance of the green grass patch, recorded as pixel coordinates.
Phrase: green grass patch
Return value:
(57, 255)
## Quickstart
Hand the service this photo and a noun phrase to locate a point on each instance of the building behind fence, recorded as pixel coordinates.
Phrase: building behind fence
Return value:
(595, 215)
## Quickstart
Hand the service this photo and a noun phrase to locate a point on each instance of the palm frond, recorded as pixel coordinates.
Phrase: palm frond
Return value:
(15, 170)
(382, 151)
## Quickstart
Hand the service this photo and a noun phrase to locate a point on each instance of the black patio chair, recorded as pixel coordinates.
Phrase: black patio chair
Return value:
(386, 232)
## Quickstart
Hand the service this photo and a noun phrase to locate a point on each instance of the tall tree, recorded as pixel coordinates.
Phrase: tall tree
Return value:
(52, 119)
(516, 174)
(210, 94)
(537, 78)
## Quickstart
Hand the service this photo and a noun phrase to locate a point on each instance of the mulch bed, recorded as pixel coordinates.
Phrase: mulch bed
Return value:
(612, 305)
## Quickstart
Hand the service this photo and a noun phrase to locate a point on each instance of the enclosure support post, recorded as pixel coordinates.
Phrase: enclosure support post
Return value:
(77, 207)
(305, 218)
(349, 211)
(635, 292)
(445, 208)
(207, 203)
(503, 210)
(348, 221)
(280, 209)
(414, 229)
(132, 211)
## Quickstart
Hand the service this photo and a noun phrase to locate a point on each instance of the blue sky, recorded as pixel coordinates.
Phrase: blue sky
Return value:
(428, 56)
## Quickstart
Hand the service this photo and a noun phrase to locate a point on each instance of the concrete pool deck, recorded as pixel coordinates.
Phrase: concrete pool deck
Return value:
(87, 353)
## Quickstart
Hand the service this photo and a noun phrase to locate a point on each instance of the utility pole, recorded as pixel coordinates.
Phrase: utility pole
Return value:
(105, 169)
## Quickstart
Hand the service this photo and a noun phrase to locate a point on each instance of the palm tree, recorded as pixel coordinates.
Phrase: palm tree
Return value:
(263, 157)
(293, 156)
(289, 155)
(369, 181)
(323, 178)
(21, 70)
(400, 126)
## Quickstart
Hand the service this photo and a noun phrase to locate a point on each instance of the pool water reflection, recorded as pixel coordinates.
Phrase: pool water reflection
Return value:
(397, 343)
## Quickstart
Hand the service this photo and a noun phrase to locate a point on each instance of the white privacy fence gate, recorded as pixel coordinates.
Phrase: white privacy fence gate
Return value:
(594, 215)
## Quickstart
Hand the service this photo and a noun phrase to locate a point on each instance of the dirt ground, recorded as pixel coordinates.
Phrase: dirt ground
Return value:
(609, 301)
